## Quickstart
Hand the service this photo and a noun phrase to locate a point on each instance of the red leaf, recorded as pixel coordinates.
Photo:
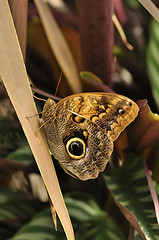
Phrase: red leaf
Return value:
(145, 129)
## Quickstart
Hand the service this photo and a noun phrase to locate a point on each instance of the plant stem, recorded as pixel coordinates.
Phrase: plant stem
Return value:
(96, 32)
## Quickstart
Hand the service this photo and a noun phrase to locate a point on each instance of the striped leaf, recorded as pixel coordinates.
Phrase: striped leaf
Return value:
(153, 59)
(89, 221)
(40, 227)
(129, 187)
(15, 211)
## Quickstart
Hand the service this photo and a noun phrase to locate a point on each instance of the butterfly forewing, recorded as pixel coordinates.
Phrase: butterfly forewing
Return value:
(81, 128)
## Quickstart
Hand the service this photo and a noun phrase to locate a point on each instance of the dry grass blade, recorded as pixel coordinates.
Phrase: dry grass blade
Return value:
(13, 74)
(151, 8)
(19, 11)
(59, 46)
(121, 32)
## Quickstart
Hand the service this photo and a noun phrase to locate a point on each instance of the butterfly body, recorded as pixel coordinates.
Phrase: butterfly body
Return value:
(81, 129)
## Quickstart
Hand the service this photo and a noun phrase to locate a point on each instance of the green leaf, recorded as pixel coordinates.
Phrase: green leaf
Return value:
(89, 76)
(40, 227)
(22, 155)
(8, 137)
(83, 208)
(7, 195)
(153, 59)
(129, 187)
(133, 3)
(22, 209)
(89, 220)
(156, 185)
(11, 137)
(15, 211)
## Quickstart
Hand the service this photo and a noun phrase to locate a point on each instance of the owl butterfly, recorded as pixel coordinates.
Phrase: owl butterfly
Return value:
(81, 129)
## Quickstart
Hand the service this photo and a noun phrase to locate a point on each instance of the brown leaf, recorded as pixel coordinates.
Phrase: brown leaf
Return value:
(131, 218)
(145, 129)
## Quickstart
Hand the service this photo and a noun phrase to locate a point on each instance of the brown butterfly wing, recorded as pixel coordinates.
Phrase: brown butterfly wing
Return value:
(80, 130)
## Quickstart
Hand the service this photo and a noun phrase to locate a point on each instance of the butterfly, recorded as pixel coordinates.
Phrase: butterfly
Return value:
(81, 128)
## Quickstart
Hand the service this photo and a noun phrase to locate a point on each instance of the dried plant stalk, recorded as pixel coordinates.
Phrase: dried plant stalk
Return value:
(59, 46)
(13, 74)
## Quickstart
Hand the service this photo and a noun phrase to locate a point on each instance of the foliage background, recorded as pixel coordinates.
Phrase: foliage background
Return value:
(103, 208)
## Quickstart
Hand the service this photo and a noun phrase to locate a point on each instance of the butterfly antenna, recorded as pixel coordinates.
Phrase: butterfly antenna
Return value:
(58, 84)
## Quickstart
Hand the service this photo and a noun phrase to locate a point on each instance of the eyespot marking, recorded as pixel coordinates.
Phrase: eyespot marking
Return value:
(76, 148)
